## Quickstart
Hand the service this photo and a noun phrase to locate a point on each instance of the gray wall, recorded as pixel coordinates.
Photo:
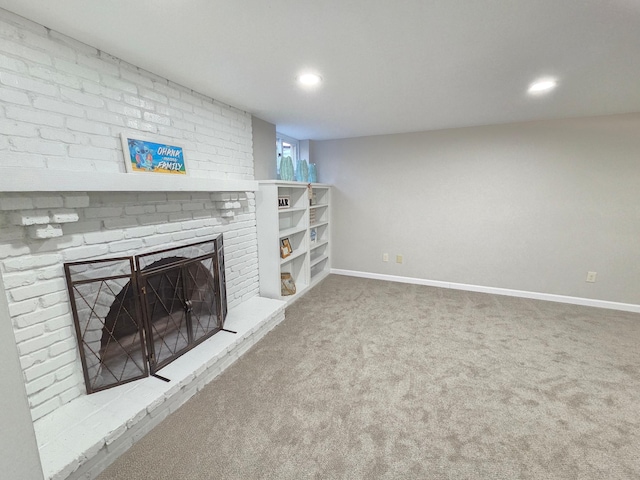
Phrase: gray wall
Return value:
(530, 206)
(18, 449)
(264, 149)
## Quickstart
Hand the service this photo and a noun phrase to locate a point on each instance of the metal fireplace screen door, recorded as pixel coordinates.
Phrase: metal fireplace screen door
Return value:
(107, 320)
(180, 306)
(129, 322)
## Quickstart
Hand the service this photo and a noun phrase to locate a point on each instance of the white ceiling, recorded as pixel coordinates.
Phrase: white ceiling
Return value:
(388, 66)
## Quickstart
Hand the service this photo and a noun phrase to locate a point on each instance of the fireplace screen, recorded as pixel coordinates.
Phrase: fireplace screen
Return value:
(134, 315)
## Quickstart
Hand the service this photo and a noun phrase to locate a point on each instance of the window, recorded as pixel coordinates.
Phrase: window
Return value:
(286, 147)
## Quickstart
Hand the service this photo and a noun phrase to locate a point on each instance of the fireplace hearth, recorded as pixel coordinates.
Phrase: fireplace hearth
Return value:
(135, 315)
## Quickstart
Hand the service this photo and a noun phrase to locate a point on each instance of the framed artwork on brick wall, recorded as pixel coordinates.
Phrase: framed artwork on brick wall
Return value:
(145, 155)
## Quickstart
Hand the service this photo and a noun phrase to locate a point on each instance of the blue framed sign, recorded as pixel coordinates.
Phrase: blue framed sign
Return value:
(150, 156)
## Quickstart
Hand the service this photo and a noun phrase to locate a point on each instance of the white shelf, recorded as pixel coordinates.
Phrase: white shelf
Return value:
(274, 224)
(293, 256)
(313, 246)
(318, 260)
(292, 209)
(14, 179)
(316, 225)
(282, 183)
(291, 231)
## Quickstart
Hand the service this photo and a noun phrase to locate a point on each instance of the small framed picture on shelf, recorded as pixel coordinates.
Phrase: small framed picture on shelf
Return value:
(285, 248)
(283, 201)
(287, 284)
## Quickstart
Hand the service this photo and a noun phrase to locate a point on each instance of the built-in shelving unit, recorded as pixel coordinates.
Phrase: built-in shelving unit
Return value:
(305, 223)
(319, 256)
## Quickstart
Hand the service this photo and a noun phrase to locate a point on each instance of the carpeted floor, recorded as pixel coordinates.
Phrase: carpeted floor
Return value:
(376, 380)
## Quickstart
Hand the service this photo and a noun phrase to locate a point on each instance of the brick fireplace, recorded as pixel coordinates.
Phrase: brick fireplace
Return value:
(108, 225)
(65, 197)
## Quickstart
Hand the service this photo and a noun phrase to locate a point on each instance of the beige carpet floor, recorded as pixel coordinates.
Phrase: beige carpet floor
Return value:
(376, 380)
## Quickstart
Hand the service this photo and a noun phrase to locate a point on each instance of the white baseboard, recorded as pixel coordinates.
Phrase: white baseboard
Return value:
(589, 302)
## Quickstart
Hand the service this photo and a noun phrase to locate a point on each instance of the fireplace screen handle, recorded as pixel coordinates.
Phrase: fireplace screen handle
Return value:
(188, 306)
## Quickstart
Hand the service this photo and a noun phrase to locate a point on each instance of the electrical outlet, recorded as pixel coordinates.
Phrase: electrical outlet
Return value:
(591, 277)
(385, 257)
(398, 258)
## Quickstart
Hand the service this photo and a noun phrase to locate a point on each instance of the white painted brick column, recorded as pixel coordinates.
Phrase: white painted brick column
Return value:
(64, 107)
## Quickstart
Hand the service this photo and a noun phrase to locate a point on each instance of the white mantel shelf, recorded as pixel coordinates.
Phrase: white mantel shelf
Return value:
(14, 179)
(283, 183)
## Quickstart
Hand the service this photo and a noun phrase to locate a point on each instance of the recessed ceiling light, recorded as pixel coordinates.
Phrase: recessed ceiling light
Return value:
(309, 79)
(543, 85)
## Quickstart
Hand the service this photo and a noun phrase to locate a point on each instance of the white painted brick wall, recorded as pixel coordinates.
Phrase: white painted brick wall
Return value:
(109, 225)
(63, 107)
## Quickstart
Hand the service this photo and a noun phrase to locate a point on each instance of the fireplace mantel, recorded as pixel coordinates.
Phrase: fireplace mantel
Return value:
(15, 179)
